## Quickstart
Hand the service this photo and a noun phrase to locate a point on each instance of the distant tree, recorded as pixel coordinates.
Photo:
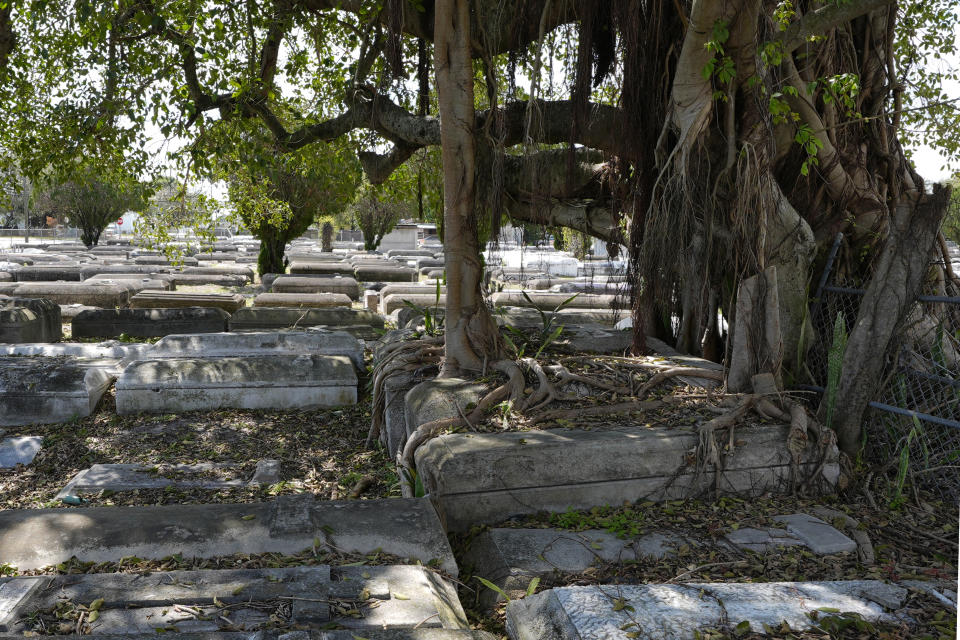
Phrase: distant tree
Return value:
(90, 199)
(278, 196)
(171, 207)
(376, 215)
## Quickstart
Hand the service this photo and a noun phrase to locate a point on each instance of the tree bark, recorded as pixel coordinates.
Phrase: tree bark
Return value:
(471, 335)
(891, 293)
(272, 245)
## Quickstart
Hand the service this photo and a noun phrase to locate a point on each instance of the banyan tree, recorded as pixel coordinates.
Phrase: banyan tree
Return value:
(721, 142)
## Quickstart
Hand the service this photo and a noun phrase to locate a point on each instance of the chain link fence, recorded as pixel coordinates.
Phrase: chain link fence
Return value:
(912, 428)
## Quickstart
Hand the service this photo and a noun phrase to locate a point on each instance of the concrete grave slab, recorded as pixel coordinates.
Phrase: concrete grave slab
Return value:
(316, 268)
(47, 389)
(139, 282)
(51, 320)
(317, 284)
(104, 294)
(108, 350)
(427, 300)
(148, 323)
(229, 302)
(253, 382)
(300, 300)
(221, 270)
(762, 540)
(383, 273)
(488, 477)
(19, 450)
(200, 279)
(408, 528)
(511, 558)
(438, 399)
(668, 611)
(817, 534)
(68, 272)
(19, 324)
(131, 477)
(219, 345)
(365, 325)
(306, 597)
(547, 301)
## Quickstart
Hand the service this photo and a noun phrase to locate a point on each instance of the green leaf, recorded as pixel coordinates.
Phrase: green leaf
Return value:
(493, 587)
(532, 587)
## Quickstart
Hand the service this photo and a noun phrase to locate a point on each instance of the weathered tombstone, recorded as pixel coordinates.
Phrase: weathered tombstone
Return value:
(51, 321)
(363, 324)
(50, 389)
(68, 272)
(317, 284)
(200, 279)
(302, 300)
(148, 323)
(218, 345)
(229, 302)
(392, 302)
(664, 611)
(19, 450)
(94, 294)
(19, 324)
(385, 273)
(212, 476)
(309, 268)
(252, 382)
(221, 270)
(548, 301)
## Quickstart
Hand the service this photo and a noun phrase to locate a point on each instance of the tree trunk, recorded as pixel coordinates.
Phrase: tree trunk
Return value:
(893, 289)
(272, 245)
(471, 334)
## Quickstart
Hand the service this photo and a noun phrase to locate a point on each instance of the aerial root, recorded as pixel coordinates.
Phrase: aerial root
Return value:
(400, 357)
(433, 428)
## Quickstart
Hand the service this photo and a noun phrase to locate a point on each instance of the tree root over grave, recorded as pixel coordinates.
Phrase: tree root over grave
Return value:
(398, 358)
(533, 407)
(709, 453)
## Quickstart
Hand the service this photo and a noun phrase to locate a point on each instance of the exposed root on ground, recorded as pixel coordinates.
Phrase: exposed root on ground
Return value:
(533, 408)
(673, 372)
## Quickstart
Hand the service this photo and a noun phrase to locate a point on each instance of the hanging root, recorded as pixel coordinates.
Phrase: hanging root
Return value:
(431, 429)
(397, 358)
(709, 451)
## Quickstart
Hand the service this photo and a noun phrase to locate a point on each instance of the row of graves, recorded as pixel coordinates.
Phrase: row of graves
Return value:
(174, 341)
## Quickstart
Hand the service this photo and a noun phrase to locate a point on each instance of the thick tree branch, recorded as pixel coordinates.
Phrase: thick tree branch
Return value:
(379, 167)
(824, 19)
(282, 19)
(595, 218)
(496, 31)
